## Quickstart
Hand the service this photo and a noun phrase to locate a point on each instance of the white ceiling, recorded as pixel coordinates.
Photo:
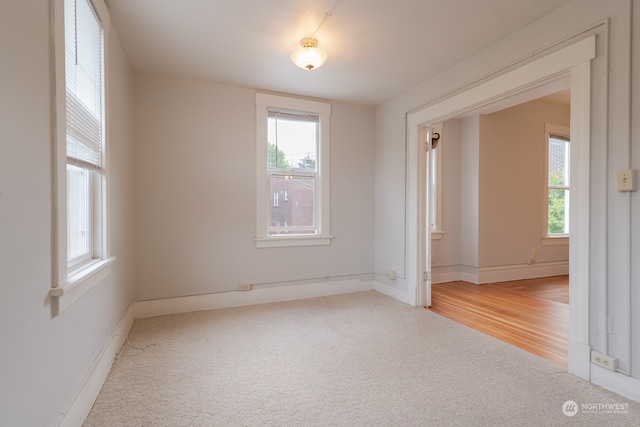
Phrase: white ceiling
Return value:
(377, 49)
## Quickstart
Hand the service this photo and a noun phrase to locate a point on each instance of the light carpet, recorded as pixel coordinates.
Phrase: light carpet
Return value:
(359, 359)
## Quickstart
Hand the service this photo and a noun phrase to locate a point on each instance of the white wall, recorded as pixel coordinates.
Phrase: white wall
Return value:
(612, 220)
(196, 193)
(45, 358)
(470, 191)
(389, 202)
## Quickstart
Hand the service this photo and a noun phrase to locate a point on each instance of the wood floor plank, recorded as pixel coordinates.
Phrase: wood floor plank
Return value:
(530, 314)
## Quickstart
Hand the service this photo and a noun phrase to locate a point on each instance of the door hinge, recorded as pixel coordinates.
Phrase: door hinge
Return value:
(426, 276)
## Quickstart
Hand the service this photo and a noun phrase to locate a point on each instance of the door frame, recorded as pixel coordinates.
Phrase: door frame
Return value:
(573, 61)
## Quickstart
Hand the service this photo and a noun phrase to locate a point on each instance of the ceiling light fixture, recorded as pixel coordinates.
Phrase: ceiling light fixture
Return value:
(309, 56)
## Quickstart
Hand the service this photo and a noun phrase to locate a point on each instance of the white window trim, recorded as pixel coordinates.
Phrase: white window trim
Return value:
(68, 285)
(547, 239)
(555, 241)
(263, 195)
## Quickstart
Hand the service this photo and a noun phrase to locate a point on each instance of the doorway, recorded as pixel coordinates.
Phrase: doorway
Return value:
(525, 256)
(574, 62)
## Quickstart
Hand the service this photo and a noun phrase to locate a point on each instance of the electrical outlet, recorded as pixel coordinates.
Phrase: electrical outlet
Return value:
(246, 286)
(604, 361)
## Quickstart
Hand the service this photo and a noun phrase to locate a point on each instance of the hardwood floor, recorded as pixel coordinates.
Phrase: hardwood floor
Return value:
(530, 314)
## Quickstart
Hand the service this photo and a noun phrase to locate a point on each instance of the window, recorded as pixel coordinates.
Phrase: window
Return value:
(434, 181)
(433, 178)
(79, 213)
(557, 181)
(82, 251)
(293, 167)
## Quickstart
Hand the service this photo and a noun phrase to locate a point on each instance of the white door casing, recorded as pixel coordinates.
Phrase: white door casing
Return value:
(573, 61)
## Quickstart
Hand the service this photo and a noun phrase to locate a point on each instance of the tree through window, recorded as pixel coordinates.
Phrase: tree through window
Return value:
(558, 181)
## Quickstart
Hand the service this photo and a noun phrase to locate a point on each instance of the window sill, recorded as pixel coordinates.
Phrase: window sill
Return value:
(280, 241)
(80, 281)
(555, 241)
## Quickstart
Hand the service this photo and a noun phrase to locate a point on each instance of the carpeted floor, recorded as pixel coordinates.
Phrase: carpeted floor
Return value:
(359, 359)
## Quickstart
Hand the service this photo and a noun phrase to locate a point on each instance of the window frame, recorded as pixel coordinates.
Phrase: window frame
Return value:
(434, 157)
(265, 102)
(72, 280)
(554, 239)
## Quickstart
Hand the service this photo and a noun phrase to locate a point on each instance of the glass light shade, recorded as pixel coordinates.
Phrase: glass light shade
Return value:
(309, 56)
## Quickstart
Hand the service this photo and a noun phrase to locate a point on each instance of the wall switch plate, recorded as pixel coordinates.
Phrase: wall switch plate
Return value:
(627, 180)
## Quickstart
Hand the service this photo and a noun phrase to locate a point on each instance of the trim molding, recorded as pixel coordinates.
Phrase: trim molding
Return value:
(80, 406)
(159, 307)
(618, 383)
(522, 271)
(579, 357)
(392, 292)
(446, 274)
(501, 273)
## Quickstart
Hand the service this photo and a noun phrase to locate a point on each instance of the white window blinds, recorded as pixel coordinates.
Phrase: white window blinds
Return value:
(84, 81)
(293, 116)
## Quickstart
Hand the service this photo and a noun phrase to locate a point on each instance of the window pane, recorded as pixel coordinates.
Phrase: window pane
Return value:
(558, 211)
(294, 213)
(78, 212)
(292, 143)
(433, 189)
(558, 161)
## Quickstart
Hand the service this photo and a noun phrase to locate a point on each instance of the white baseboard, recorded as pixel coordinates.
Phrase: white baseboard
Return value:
(159, 307)
(579, 359)
(446, 274)
(505, 273)
(80, 406)
(618, 383)
(392, 292)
